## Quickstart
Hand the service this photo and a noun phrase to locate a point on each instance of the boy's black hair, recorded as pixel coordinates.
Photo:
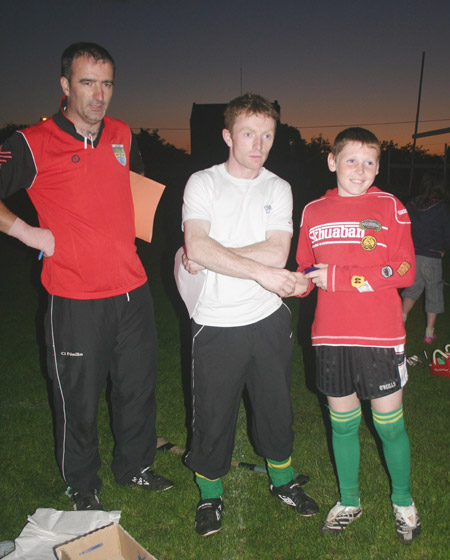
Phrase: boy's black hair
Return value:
(90, 50)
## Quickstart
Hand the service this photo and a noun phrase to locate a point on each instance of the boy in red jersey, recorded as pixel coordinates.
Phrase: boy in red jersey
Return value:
(358, 239)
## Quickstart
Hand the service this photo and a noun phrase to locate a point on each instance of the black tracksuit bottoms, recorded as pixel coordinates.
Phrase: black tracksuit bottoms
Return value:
(224, 360)
(87, 341)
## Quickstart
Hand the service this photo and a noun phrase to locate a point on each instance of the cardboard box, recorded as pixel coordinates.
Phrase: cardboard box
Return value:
(108, 543)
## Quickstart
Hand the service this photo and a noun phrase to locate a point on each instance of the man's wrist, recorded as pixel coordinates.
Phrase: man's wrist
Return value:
(35, 237)
(19, 230)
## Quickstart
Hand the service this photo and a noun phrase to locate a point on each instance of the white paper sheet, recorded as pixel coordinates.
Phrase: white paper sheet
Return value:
(48, 527)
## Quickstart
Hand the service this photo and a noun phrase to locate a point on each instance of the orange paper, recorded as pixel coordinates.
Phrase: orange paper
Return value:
(146, 196)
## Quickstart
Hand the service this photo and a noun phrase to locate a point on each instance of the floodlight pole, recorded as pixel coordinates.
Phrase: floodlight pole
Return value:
(446, 152)
(417, 124)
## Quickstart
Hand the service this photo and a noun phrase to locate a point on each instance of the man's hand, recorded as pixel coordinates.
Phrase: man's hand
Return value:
(319, 276)
(38, 238)
(301, 284)
(277, 280)
(191, 266)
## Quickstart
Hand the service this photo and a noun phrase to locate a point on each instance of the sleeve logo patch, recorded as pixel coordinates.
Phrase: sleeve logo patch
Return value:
(403, 268)
(357, 281)
(370, 224)
(387, 272)
(368, 243)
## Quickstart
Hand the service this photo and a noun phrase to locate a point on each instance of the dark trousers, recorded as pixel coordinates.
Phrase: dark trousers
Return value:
(224, 360)
(87, 340)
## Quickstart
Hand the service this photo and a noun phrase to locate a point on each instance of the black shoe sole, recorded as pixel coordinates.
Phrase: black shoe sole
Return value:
(209, 533)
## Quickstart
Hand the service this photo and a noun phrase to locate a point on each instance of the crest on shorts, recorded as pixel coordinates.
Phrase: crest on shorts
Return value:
(368, 243)
(387, 386)
(119, 152)
(370, 224)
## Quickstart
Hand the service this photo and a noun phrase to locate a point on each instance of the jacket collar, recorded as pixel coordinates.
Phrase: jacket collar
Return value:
(67, 126)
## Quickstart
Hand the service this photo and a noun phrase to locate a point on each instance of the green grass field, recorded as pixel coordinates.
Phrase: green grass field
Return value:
(255, 525)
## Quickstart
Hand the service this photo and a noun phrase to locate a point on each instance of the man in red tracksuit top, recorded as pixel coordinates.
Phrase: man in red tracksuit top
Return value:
(99, 322)
(358, 240)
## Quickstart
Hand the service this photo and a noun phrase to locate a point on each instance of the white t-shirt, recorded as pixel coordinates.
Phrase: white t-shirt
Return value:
(240, 212)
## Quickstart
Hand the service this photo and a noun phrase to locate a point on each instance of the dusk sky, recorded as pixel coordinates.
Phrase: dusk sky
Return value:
(329, 64)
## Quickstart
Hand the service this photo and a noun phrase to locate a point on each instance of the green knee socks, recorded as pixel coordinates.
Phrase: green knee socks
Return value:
(209, 489)
(397, 453)
(280, 472)
(345, 439)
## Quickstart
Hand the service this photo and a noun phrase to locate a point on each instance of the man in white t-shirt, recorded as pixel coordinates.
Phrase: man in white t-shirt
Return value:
(237, 220)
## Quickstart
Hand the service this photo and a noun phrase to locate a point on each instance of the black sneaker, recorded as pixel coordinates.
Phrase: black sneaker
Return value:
(149, 480)
(85, 501)
(208, 518)
(292, 495)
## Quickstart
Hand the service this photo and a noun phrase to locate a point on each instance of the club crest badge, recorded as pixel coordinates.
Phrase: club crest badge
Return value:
(368, 243)
(387, 272)
(370, 224)
(357, 281)
(403, 268)
(119, 152)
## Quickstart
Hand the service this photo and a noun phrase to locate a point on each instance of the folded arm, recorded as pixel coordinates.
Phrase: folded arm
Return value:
(242, 262)
(273, 251)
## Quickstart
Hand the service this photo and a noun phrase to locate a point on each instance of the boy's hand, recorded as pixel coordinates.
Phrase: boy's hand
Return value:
(319, 276)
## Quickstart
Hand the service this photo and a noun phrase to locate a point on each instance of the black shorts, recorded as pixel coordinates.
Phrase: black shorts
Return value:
(368, 371)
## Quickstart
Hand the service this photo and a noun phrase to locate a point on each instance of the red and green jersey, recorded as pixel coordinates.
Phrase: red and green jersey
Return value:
(366, 242)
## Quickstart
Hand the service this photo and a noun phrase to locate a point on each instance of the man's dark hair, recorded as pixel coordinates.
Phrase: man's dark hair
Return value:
(90, 50)
(355, 134)
(250, 104)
